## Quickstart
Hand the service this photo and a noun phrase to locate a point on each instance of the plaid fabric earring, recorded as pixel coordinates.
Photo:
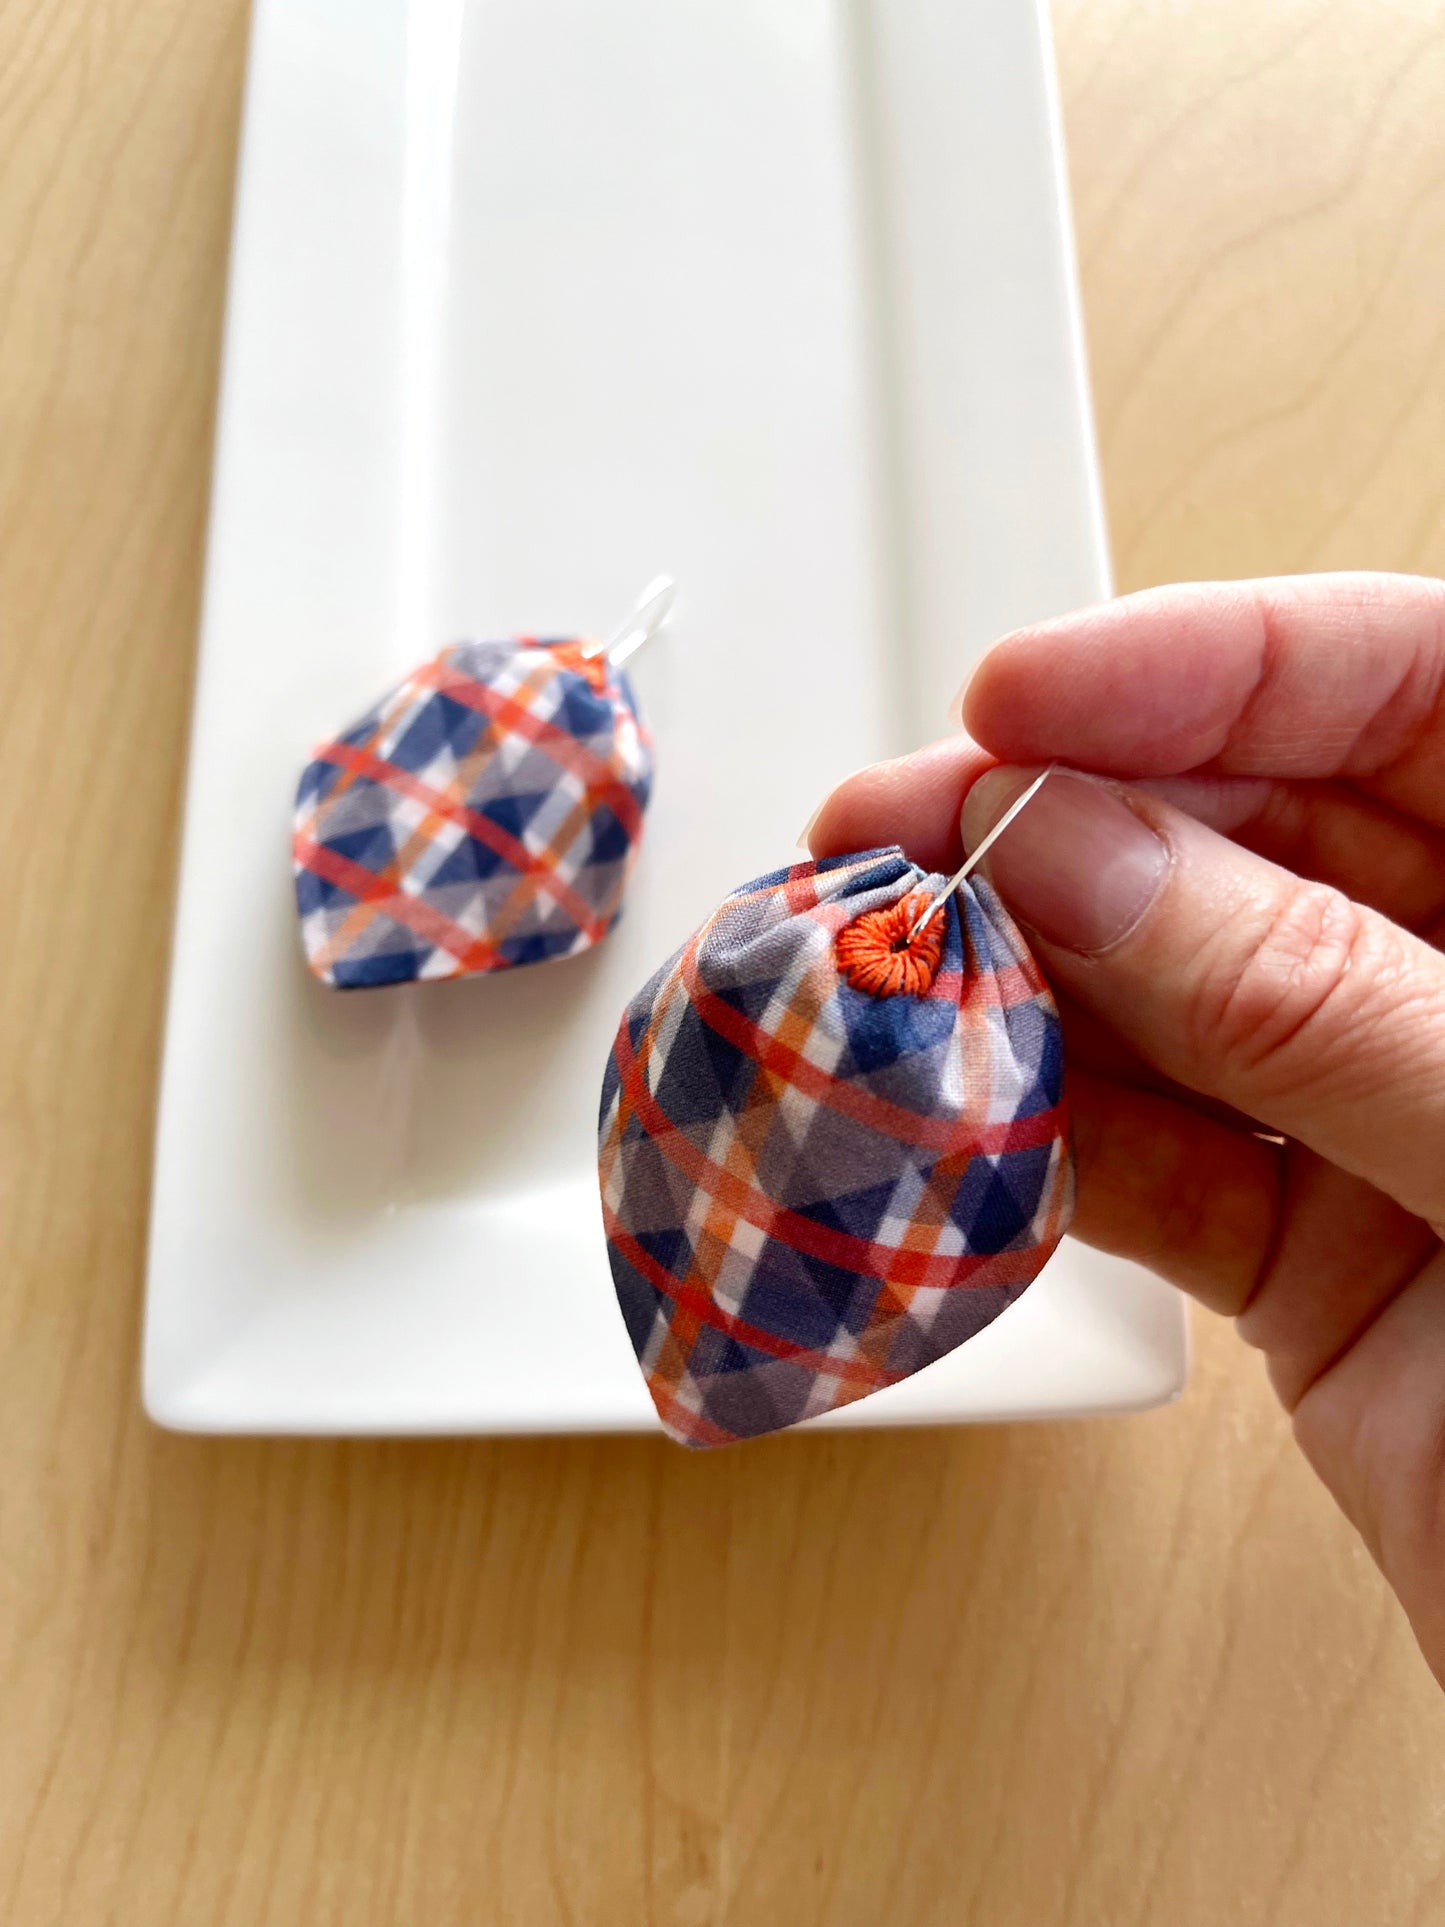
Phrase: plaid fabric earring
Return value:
(834, 1142)
(484, 814)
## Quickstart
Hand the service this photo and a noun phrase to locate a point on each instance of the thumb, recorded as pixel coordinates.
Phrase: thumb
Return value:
(1278, 996)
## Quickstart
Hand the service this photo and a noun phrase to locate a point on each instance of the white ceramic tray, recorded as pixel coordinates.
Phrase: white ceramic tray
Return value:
(531, 299)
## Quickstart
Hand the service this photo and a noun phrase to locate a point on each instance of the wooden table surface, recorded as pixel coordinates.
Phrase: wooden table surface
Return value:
(1116, 1672)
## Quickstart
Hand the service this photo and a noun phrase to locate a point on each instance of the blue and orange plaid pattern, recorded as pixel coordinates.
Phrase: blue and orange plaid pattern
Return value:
(485, 814)
(812, 1189)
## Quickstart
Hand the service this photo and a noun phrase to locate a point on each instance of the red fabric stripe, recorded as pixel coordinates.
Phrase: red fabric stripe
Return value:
(472, 953)
(850, 1100)
(365, 762)
(707, 1311)
(560, 744)
(691, 1428)
(886, 1263)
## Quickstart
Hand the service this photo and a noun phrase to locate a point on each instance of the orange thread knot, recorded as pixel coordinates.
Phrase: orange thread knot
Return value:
(594, 668)
(877, 955)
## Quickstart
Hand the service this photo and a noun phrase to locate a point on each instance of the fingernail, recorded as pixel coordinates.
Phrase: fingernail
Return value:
(807, 828)
(1076, 862)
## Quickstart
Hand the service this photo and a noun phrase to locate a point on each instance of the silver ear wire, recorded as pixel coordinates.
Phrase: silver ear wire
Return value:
(972, 861)
(649, 617)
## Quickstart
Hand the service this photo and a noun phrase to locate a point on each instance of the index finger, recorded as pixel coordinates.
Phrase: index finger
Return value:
(1307, 676)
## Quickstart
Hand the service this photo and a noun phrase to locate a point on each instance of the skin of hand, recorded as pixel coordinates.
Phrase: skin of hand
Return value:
(1236, 884)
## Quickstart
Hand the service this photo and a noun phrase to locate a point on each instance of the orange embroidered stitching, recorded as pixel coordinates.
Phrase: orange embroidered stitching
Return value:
(877, 955)
(594, 668)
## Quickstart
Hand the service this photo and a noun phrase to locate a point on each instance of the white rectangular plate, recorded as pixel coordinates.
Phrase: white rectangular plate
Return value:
(531, 299)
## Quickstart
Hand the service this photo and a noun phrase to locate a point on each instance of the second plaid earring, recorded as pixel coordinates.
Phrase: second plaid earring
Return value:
(483, 815)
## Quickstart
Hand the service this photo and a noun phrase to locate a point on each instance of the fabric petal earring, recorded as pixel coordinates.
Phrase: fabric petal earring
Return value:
(834, 1141)
(484, 814)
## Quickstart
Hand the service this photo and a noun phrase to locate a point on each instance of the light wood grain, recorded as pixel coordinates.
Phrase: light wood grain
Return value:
(1115, 1673)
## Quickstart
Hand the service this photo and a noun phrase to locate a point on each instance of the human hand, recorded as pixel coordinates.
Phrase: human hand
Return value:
(1244, 920)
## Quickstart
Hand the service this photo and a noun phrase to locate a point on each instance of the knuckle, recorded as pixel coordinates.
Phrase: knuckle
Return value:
(1302, 968)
